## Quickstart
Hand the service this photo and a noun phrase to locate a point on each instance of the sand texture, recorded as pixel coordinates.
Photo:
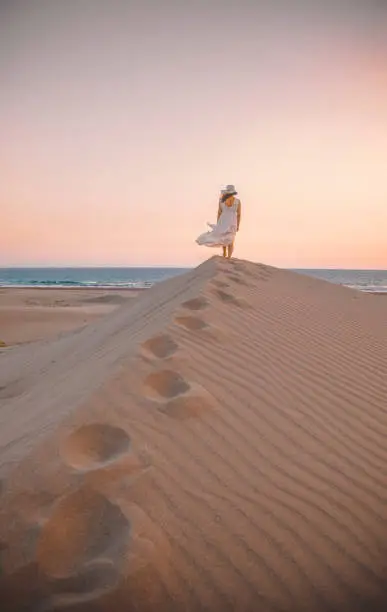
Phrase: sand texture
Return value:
(29, 314)
(219, 444)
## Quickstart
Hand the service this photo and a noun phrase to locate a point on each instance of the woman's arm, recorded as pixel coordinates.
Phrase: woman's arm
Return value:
(219, 209)
(239, 212)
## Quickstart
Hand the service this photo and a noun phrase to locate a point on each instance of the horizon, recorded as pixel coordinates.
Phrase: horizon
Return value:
(115, 146)
(176, 267)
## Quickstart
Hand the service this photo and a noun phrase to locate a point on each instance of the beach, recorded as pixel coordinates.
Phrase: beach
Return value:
(216, 442)
(29, 314)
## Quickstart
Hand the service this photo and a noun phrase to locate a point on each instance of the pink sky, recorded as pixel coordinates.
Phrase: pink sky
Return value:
(121, 120)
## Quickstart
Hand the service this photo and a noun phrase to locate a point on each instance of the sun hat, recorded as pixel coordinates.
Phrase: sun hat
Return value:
(229, 190)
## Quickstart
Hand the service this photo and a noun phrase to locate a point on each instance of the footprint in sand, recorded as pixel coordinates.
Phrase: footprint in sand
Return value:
(237, 279)
(173, 394)
(199, 303)
(221, 284)
(93, 446)
(161, 346)
(83, 527)
(244, 270)
(228, 298)
(191, 323)
(165, 384)
(88, 586)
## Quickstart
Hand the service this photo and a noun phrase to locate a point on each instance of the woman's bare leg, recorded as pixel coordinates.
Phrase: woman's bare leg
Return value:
(230, 250)
(224, 251)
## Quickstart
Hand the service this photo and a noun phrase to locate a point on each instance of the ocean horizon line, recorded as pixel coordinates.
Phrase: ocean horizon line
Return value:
(144, 277)
(179, 267)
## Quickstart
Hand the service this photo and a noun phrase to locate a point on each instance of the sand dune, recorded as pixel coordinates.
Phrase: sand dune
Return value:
(220, 445)
(30, 314)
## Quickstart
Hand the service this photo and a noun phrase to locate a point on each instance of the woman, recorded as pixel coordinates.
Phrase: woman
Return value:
(229, 216)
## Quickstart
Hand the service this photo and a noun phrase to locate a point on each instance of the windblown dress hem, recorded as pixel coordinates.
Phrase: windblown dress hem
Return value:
(222, 234)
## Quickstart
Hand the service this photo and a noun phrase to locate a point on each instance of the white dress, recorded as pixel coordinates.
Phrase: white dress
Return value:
(223, 233)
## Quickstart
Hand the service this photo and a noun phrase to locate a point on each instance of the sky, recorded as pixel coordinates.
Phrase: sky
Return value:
(121, 120)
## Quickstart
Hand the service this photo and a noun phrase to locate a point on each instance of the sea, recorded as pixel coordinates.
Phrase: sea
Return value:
(142, 278)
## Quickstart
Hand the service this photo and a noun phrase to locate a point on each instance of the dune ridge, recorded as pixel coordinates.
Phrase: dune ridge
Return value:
(219, 445)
